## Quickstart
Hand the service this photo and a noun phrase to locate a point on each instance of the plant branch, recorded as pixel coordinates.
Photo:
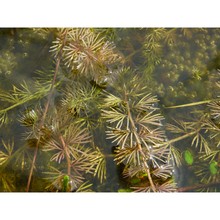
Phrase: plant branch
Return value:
(37, 95)
(193, 103)
(139, 146)
(180, 138)
(45, 112)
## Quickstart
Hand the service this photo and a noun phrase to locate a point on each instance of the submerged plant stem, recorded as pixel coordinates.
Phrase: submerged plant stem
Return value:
(181, 137)
(45, 113)
(139, 147)
(193, 103)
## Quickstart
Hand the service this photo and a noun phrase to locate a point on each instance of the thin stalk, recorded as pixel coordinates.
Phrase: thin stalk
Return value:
(185, 135)
(139, 146)
(23, 101)
(45, 113)
(11, 158)
(180, 138)
(193, 103)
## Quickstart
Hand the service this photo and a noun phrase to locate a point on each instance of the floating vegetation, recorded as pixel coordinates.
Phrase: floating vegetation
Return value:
(188, 157)
(107, 109)
(213, 167)
(182, 59)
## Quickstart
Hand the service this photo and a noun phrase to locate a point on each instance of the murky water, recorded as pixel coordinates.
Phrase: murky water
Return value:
(179, 66)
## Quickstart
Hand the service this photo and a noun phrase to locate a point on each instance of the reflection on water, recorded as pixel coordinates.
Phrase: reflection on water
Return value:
(179, 66)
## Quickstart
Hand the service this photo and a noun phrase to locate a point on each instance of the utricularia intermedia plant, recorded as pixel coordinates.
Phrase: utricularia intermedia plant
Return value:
(90, 109)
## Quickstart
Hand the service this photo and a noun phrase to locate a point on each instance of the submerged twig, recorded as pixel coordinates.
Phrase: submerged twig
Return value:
(139, 146)
(45, 112)
(193, 103)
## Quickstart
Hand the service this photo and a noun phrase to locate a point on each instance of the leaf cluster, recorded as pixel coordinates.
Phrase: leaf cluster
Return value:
(86, 52)
(135, 127)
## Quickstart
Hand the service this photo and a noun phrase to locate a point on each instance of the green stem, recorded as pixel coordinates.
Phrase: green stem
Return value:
(193, 103)
(65, 184)
(21, 102)
(11, 157)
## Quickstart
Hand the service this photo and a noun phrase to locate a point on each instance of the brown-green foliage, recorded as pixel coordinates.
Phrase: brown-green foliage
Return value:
(135, 126)
(93, 95)
(59, 129)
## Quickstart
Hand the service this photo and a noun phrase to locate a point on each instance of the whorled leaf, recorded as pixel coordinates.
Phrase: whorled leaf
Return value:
(85, 187)
(132, 170)
(146, 103)
(7, 182)
(6, 152)
(158, 156)
(199, 140)
(149, 118)
(98, 163)
(110, 100)
(80, 99)
(152, 136)
(114, 116)
(163, 171)
(215, 109)
(176, 156)
(118, 135)
(129, 155)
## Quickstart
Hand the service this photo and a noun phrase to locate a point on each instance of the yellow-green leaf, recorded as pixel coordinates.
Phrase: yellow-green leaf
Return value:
(213, 167)
(188, 157)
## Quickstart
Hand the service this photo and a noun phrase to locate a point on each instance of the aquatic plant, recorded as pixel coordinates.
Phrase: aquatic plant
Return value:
(86, 52)
(136, 129)
(179, 57)
(203, 134)
(93, 108)
(46, 134)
